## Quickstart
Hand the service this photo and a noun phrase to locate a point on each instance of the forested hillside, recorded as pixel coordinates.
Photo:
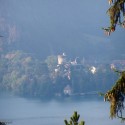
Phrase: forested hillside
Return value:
(32, 37)
(23, 74)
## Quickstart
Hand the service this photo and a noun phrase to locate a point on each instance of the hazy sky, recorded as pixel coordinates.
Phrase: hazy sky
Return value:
(54, 26)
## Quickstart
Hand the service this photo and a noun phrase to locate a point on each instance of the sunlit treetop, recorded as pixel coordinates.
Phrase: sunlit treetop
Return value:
(116, 13)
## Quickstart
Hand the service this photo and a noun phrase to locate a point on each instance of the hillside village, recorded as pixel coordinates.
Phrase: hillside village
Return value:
(65, 67)
(56, 76)
(24, 73)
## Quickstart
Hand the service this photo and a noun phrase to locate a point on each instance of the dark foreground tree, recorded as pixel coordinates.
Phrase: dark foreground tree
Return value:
(117, 15)
(2, 123)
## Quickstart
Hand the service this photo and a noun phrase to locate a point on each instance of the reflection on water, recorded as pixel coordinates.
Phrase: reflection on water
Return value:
(36, 112)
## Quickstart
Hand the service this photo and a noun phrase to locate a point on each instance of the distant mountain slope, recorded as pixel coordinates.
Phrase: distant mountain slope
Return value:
(52, 27)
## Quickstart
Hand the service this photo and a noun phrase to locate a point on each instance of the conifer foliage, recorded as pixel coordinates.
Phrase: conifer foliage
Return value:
(74, 120)
(116, 97)
(116, 13)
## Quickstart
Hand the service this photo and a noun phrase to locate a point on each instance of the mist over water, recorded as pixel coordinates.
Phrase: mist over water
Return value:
(36, 112)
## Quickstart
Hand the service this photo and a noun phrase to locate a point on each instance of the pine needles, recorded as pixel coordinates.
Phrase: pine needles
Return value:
(116, 13)
(116, 97)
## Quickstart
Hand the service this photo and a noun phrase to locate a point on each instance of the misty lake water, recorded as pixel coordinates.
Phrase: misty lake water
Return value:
(22, 111)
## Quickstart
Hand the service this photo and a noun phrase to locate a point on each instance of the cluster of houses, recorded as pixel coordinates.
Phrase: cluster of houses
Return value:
(65, 67)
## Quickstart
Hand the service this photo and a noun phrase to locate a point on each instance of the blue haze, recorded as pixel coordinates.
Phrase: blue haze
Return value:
(49, 27)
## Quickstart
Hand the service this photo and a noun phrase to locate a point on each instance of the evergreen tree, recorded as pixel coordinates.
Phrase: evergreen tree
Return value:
(117, 15)
(74, 120)
(116, 96)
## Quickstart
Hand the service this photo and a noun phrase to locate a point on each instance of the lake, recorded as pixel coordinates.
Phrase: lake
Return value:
(22, 111)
